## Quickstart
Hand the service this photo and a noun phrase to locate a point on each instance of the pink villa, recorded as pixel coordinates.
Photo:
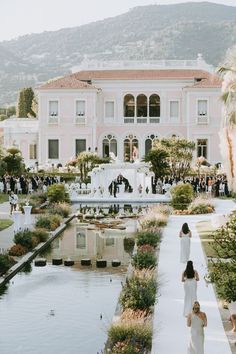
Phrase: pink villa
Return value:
(122, 107)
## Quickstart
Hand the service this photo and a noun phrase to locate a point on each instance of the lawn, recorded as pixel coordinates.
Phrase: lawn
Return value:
(5, 223)
(4, 198)
(205, 231)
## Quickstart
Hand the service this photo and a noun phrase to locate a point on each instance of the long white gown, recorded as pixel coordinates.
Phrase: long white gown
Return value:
(190, 294)
(196, 345)
(184, 247)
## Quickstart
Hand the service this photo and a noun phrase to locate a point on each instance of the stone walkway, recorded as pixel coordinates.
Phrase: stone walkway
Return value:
(7, 235)
(171, 334)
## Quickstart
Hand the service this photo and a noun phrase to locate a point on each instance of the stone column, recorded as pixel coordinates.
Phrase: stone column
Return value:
(27, 211)
(16, 215)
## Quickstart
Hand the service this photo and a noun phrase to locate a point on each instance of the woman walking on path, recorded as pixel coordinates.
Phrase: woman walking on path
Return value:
(185, 235)
(13, 200)
(189, 277)
(196, 320)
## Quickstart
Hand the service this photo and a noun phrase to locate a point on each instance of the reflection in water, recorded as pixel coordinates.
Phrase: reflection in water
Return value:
(86, 241)
(27, 268)
(61, 310)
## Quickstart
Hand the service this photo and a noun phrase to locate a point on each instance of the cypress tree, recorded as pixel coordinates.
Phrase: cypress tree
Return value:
(25, 100)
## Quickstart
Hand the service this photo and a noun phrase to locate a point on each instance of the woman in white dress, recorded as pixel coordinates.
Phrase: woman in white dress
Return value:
(197, 320)
(189, 277)
(185, 235)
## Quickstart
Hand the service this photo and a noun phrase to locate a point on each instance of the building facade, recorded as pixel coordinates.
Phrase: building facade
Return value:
(22, 133)
(123, 111)
(121, 108)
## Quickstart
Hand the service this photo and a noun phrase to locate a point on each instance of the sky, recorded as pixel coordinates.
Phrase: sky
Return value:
(20, 17)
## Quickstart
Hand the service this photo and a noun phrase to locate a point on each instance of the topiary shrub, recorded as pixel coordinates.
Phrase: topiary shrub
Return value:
(182, 195)
(138, 293)
(18, 250)
(57, 193)
(148, 238)
(24, 238)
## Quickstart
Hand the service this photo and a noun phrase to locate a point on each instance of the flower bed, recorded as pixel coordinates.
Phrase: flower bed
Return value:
(26, 240)
(133, 332)
(62, 209)
(6, 262)
(49, 222)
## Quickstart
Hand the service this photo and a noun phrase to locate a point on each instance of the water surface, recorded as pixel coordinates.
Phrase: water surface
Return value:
(57, 310)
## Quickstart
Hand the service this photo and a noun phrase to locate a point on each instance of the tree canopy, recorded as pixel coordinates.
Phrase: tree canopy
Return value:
(13, 161)
(158, 158)
(180, 154)
(26, 100)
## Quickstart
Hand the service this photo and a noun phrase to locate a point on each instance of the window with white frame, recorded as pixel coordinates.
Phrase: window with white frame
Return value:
(174, 109)
(109, 144)
(131, 148)
(109, 109)
(149, 142)
(202, 148)
(80, 146)
(80, 108)
(154, 106)
(53, 108)
(129, 106)
(202, 108)
(53, 148)
(33, 151)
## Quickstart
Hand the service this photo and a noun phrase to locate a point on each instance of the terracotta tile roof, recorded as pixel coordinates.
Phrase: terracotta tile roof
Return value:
(78, 80)
(210, 82)
(66, 82)
(166, 74)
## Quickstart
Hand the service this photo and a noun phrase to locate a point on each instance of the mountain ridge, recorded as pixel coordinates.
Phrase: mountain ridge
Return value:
(149, 32)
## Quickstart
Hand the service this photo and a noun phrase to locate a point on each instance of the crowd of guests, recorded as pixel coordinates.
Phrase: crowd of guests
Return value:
(26, 185)
(214, 186)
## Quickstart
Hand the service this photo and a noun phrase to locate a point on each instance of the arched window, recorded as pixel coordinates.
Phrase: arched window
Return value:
(129, 106)
(149, 142)
(109, 144)
(142, 106)
(154, 106)
(131, 152)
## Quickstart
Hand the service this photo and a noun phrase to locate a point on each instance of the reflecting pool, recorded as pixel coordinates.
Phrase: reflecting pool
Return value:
(63, 310)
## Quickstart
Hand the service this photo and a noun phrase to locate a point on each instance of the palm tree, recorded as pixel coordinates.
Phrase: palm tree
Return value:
(86, 161)
(228, 131)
